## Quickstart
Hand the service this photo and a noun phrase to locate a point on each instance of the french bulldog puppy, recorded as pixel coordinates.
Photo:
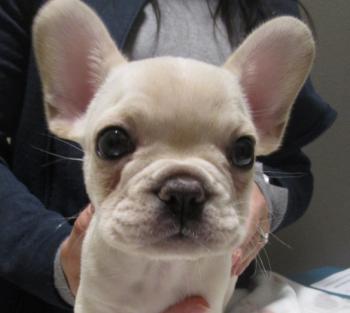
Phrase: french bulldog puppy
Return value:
(169, 149)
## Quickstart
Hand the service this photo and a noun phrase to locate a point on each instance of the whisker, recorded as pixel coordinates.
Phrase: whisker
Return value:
(268, 260)
(253, 249)
(66, 220)
(287, 176)
(281, 241)
(281, 172)
(256, 269)
(275, 237)
(60, 225)
(58, 155)
(260, 264)
(66, 142)
(52, 162)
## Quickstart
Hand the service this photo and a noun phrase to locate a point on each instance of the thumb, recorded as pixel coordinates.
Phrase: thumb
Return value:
(190, 305)
(71, 248)
(81, 224)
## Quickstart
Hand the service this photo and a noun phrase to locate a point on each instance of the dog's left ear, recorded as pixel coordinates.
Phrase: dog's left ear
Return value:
(272, 64)
(74, 53)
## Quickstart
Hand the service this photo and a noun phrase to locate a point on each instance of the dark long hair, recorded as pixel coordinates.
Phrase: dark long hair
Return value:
(240, 17)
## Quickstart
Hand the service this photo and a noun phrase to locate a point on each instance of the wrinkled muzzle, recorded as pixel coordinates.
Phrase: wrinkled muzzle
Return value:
(173, 208)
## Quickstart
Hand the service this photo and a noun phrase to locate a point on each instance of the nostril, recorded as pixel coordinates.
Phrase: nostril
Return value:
(177, 189)
(164, 195)
(198, 195)
(183, 196)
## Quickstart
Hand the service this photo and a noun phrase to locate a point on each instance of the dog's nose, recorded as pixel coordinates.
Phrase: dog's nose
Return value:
(184, 197)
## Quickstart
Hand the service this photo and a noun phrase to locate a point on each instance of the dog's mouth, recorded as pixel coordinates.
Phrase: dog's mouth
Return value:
(173, 235)
(182, 235)
(165, 237)
(169, 239)
(184, 242)
(178, 244)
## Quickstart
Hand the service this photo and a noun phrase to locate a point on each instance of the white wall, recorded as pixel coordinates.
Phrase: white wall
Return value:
(322, 236)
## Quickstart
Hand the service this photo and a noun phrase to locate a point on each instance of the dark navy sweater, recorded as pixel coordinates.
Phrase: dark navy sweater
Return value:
(38, 190)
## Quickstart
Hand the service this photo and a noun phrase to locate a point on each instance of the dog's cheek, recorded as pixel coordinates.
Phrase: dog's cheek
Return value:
(242, 183)
(227, 212)
(224, 225)
(101, 178)
(127, 223)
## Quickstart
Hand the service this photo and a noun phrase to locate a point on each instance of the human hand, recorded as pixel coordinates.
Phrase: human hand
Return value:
(71, 249)
(258, 229)
(194, 304)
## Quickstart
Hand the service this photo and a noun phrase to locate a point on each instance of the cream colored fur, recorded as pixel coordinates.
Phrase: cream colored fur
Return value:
(184, 115)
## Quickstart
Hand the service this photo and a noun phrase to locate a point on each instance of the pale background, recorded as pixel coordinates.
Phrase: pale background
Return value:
(322, 236)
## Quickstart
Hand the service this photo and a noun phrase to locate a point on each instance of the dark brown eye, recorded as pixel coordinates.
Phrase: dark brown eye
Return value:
(113, 143)
(242, 154)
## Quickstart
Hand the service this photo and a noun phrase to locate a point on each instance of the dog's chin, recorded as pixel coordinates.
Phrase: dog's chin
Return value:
(175, 247)
(178, 245)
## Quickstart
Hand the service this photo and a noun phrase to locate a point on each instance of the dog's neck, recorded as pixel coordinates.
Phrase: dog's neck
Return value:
(123, 282)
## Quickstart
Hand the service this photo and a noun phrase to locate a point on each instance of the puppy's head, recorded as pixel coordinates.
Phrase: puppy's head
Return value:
(169, 143)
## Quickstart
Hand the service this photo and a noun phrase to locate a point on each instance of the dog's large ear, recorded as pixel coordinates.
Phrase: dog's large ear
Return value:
(74, 53)
(272, 65)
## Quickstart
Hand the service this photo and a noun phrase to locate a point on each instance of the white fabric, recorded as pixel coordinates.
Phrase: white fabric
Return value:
(276, 294)
(338, 283)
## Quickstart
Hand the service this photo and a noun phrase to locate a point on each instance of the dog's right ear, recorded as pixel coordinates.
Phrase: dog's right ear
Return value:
(74, 53)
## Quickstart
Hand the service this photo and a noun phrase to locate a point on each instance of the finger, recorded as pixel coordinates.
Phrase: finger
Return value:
(249, 252)
(190, 305)
(71, 249)
(241, 267)
(244, 254)
(236, 260)
(81, 224)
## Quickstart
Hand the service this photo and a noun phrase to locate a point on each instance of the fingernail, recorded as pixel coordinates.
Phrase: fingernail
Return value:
(192, 305)
(199, 309)
(199, 301)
